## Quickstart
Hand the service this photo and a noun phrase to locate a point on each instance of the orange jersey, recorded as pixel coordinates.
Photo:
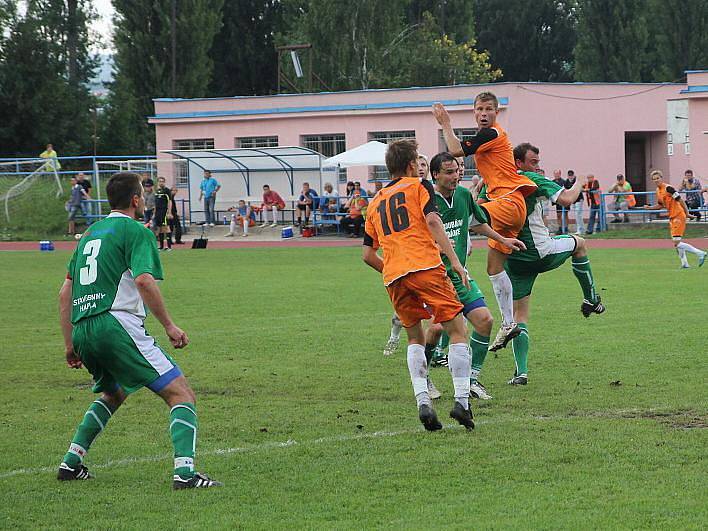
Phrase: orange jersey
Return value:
(668, 201)
(495, 162)
(395, 222)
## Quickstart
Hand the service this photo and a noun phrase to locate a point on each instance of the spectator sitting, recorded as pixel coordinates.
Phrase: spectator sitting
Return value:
(329, 199)
(243, 216)
(273, 202)
(378, 186)
(305, 203)
(592, 196)
(52, 157)
(694, 197)
(359, 190)
(73, 205)
(353, 221)
(149, 198)
(621, 201)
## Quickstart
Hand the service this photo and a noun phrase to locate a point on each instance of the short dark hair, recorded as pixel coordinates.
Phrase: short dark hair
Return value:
(437, 161)
(523, 148)
(571, 173)
(487, 96)
(121, 189)
(400, 154)
(266, 186)
(688, 171)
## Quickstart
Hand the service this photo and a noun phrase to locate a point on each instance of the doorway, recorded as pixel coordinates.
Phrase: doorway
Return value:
(635, 145)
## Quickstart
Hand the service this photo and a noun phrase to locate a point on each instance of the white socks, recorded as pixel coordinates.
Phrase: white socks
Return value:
(245, 226)
(689, 248)
(232, 226)
(275, 214)
(396, 327)
(458, 360)
(682, 256)
(504, 294)
(418, 369)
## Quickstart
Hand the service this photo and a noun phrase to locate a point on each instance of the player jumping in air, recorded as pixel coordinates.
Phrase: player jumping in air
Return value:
(460, 214)
(403, 221)
(543, 253)
(506, 191)
(667, 197)
(111, 278)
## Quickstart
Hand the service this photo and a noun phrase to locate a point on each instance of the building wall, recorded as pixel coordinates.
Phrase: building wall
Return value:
(576, 126)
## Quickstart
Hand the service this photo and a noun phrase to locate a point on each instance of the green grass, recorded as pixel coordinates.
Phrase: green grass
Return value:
(286, 346)
(648, 231)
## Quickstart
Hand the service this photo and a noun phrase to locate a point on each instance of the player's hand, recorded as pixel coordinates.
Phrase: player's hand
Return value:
(460, 270)
(513, 244)
(177, 336)
(72, 359)
(440, 113)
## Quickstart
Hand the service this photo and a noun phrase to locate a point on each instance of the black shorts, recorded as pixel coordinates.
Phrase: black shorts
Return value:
(303, 207)
(160, 218)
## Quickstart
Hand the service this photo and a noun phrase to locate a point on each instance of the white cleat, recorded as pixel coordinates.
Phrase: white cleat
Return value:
(477, 390)
(391, 346)
(274, 224)
(507, 332)
(263, 225)
(228, 235)
(432, 390)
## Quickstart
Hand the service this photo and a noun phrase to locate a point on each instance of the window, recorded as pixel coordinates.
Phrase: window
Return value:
(181, 171)
(256, 142)
(380, 172)
(329, 146)
(462, 134)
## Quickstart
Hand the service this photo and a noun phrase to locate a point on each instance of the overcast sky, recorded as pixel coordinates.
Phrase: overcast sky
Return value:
(103, 25)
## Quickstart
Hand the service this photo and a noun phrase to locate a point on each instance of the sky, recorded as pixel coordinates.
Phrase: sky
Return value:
(103, 24)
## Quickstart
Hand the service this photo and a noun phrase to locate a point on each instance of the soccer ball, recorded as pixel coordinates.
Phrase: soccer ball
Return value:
(77, 236)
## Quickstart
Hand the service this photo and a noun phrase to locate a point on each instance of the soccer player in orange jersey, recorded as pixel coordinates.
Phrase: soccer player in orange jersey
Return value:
(403, 221)
(506, 189)
(667, 197)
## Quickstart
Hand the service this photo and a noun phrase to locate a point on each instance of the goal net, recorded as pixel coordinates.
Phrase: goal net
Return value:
(31, 197)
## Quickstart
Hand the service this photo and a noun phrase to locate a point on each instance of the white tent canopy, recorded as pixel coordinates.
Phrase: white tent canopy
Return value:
(370, 154)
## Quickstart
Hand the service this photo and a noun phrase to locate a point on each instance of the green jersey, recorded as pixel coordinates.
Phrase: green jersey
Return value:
(535, 234)
(458, 215)
(103, 268)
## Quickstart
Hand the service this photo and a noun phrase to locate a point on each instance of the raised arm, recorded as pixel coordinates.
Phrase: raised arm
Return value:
(443, 118)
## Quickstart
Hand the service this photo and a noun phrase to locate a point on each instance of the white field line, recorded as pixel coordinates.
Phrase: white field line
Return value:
(247, 449)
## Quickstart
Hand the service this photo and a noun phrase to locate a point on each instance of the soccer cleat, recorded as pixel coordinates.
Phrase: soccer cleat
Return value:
(702, 260)
(432, 390)
(439, 361)
(477, 390)
(197, 481)
(66, 473)
(429, 418)
(521, 379)
(228, 235)
(506, 333)
(588, 307)
(263, 225)
(391, 346)
(685, 266)
(274, 224)
(462, 415)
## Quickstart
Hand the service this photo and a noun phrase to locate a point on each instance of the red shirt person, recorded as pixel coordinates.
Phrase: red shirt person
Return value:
(273, 202)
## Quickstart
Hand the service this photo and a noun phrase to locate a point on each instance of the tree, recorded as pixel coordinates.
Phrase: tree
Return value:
(680, 37)
(44, 72)
(245, 60)
(612, 41)
(529, 41)
(154, 61)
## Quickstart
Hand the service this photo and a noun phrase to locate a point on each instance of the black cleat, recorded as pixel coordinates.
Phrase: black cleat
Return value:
(588, 307)
(462, 415)
(197, 481)
(66, 473)
(429, 418)
(521, 379)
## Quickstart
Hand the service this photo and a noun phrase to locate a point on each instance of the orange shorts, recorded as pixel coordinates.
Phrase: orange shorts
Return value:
(677, 226)
(423, 294)
(508, 215)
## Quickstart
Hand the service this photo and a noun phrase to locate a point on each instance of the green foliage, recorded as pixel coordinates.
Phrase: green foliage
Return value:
(143, 64)
(310, 427)
(528, 41)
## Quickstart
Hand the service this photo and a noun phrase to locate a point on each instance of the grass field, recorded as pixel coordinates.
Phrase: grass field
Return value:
(311, 427)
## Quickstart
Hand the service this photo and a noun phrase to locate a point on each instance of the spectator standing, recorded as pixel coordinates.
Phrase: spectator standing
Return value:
(694, 195)
(273, 202)
(86, 185)
(305, 203)
(149, 197)
(577, 206)
(207, 190)
(163, 213)
(353, 221)
(622, 200)
(175, 223)
(329, 200)
(592, 197)
(73, 206)
(561, 212)
(52, 159)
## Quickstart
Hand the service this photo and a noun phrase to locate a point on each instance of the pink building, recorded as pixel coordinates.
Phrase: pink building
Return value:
(599, 128)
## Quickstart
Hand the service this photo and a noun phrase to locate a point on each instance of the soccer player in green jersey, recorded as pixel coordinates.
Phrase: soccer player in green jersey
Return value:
(543, 253)
(111, 279)
(460, 214)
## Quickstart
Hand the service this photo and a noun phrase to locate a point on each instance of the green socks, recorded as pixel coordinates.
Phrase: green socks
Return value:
(582, 271)
(183, 430)
(479, 345)
(92, 424)
(520, 346)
